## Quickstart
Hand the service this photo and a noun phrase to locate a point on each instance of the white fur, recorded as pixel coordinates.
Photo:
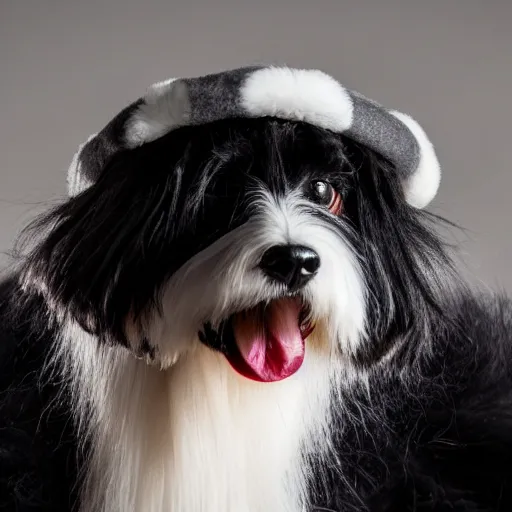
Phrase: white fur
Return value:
(165, 108)
(193, 435)
(196, 437)
(422, 186)
(299, 95)
(76, 181)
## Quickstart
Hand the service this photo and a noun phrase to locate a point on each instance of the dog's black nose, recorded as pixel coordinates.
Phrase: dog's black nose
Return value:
(293, 265)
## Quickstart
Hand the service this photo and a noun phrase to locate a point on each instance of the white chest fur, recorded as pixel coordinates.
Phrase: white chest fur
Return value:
(197, 437)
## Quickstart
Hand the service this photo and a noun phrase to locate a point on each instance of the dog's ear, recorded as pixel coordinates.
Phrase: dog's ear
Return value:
(101, 254)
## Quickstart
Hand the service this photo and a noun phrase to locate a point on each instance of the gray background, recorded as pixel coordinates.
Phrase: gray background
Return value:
(66, 66)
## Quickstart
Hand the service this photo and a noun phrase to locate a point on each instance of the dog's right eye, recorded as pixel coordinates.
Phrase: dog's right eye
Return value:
(322, 192)
(325, 195)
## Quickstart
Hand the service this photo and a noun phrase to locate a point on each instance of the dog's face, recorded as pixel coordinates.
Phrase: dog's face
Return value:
(243, 235)
(270, 251)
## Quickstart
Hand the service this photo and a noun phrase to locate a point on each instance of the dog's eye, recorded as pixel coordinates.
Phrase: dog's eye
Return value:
(324, 194)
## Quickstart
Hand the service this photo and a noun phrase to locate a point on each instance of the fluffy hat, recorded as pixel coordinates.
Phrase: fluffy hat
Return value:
(293, 94)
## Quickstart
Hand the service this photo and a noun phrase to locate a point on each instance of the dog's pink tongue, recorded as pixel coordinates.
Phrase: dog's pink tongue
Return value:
(270, 343)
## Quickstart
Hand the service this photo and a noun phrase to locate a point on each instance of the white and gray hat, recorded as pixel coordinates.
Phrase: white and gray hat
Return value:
(293, 94)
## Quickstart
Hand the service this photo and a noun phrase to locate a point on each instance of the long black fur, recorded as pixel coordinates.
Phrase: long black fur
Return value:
(428, 427)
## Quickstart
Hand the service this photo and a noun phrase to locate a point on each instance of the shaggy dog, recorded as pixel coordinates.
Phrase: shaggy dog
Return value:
(243, 307)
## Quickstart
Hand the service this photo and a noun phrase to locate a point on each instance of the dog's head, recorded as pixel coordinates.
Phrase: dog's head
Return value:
(246, 232)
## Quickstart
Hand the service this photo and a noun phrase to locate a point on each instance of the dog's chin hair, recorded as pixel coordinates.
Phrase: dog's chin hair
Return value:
(224, 279)
(196, 436)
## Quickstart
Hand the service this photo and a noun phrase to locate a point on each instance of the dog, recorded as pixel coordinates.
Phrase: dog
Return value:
(242, 306)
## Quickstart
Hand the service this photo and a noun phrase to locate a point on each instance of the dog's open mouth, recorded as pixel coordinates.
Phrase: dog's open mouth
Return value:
(265, 343)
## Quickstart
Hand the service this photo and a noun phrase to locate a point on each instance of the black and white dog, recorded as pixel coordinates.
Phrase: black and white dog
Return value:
(242, 307)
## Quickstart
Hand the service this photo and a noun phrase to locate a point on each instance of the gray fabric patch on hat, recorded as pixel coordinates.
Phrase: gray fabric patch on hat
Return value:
(216, 97)
(376, 128)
